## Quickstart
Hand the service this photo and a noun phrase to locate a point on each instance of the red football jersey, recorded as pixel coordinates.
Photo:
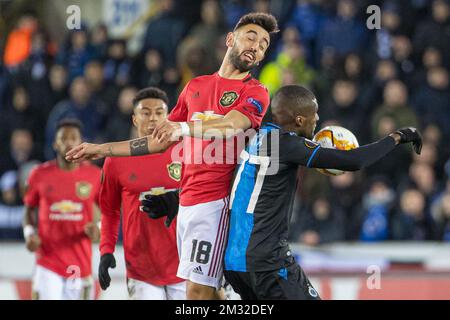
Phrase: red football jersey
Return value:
(150, 247)
(210, 97)
(65, 200)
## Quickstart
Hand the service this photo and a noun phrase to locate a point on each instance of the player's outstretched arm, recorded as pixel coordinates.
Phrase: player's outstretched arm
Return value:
(135, 147)
(364, 156)
(232, 123)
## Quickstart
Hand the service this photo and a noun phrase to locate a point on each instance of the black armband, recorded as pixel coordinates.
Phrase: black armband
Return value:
(139, 147)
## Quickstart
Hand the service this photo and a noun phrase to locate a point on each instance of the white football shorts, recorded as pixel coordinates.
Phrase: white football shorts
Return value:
(202, 232)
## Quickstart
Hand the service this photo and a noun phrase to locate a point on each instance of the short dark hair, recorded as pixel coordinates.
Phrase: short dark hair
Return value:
(69, 122)
(150, 93)
(294, 97)
(265, 20)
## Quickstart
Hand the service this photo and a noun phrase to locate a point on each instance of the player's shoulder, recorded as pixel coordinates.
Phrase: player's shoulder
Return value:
(201, 79)
(88, 166)
(45, 167)
(256, 85)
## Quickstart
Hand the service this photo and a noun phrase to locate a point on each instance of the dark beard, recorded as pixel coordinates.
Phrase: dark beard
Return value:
(238, 63)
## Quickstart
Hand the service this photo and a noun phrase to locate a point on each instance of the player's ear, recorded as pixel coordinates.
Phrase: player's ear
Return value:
(230, 39)
(133, 119)
(299, 120)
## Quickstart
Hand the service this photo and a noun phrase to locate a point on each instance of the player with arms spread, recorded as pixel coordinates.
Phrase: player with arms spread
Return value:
(151, 257)
(228, 100)
(62, 194)
(258, 261)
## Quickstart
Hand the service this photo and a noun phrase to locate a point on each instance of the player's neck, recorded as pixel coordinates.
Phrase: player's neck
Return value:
(65, 165)
(228, 71)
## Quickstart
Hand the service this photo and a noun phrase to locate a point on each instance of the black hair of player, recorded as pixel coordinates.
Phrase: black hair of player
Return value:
(150, 93)
(69, 123)
(294, 97)
(265, 20)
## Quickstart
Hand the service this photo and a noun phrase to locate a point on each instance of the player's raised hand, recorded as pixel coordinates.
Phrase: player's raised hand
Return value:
(33, 242)
(411, 134)
(106, 261)
(84, 151)
(167, 131)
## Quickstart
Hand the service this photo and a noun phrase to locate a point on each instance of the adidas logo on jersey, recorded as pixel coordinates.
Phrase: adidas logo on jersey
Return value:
(198, 270)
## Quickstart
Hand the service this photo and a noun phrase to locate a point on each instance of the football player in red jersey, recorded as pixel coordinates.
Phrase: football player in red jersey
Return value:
(63, 195)
(150, 247)
(221, 105)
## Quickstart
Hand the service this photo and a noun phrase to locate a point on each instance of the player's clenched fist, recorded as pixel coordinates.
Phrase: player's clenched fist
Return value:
(85, 151)
(167, 131)
(33, 242)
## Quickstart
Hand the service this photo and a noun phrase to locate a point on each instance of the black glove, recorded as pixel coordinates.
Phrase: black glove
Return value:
(106, 261)
(163, 205)
(411, 134)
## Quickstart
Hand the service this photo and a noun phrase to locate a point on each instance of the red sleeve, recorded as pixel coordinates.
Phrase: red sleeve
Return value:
(253, 104)
(31, 198)
(180, 112)
(110, 202)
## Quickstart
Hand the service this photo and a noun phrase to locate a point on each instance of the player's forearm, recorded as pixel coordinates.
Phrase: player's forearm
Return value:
(135, 147)
(218, 128)
(355, 159)
(109, 231)
(29, 218)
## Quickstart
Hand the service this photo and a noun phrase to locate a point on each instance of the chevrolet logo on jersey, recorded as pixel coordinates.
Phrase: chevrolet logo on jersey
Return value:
(205, 116)
(83, 189)
(66, 206)
(228, 98)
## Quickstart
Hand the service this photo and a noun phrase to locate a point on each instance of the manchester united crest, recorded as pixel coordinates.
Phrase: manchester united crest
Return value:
(83, 189)
(228, 98)
(174, 170)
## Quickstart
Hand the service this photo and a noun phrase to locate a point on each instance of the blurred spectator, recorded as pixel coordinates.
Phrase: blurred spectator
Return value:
(431, 101)
(307, 18)
(21, 150)
(345, 193)
(345, 33)
(18, 43)
(412, 220)
(290, 60)
(99, 40)
(433, 32)
(402, 55)
(117, 65)
(76, 53)
(422, 176)
(385, 71)
(441, 214)
(193, 60)
(431, 58)
(20, 114)
(120, 124)
(210, 28)
(81, 106)
(165, 32)
(344, 107)
(100, 90)
(377, 204)
(395, 105)
(9, 188)
(152, 71)
(322, 223)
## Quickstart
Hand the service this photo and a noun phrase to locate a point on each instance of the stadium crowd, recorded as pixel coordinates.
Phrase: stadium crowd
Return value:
(369, 81)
